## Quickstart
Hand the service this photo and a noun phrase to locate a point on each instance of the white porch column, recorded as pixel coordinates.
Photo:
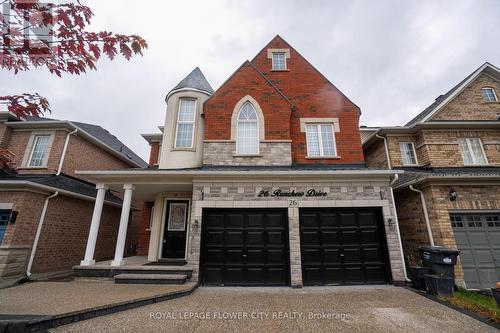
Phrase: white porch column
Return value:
(122, 231)
(94, 225)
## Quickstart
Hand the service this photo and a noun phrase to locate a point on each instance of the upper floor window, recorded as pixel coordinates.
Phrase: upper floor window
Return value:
(320, 140)
(185, 123)
(489, 95)
(472, 151)
(247, 139)
(279, 61)
(408, 154)
(39, 151)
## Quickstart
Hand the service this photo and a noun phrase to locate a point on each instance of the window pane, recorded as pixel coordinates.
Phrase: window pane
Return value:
(464, 150)
(489, 95)
(39, 150)
(407, 153)
(477, 151)
(247, 112)
(186, 110)
(248, 139)
(279, 61)
(184, 136)
(312, 140)
(327, 140)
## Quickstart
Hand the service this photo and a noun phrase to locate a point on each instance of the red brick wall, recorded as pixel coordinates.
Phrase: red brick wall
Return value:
(314, 96)
(154, 153)
(219, 108)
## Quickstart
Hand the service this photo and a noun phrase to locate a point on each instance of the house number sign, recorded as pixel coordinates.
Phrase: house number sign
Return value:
(292, 193)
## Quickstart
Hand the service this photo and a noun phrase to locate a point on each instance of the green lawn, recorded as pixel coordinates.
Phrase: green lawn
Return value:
(482, 305)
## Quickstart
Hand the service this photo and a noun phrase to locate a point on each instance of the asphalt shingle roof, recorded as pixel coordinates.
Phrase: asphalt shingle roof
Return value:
(102, 135)
(195, 80)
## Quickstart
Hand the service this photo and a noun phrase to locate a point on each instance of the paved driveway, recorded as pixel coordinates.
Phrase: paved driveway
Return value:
(323, 309)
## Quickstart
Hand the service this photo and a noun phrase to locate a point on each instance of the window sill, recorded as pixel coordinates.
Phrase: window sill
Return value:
(280, 70)
(492, 102)
(148, 229)
(323, 157)
(33, 168)
(183, 149)
(410, 165)
(247, 155)
(476, 165)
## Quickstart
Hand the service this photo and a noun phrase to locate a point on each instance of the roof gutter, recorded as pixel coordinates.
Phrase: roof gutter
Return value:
(61, 161)
(38, 232)
(426, 215)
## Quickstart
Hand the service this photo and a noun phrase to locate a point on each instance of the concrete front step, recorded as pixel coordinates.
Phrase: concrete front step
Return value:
(150, 278)
(108, 271)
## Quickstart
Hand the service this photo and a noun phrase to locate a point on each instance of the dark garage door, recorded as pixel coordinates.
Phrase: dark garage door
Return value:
(342, 246)
(244, 247)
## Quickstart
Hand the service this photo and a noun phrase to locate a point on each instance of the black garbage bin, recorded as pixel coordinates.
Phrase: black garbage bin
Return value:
(441, 260)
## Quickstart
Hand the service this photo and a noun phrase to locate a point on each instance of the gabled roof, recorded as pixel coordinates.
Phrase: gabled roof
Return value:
(442, 100)
(99, 134)
(194, 80)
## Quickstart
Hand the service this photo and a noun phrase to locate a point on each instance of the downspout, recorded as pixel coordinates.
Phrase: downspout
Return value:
(386, 150)
(61, 161)
(38, 232)
(426, 215)
(396, 177)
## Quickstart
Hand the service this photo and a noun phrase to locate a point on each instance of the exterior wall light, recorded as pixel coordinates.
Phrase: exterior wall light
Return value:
(452, 195)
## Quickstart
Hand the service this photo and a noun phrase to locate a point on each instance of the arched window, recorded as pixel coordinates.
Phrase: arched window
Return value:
(247, 139)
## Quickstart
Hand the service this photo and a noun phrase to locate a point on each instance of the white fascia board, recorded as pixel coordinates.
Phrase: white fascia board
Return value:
(152, 137)
(24, 183)
(186, 89)
(448, 177)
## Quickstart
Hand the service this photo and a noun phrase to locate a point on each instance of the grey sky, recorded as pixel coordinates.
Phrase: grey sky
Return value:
(392, 58)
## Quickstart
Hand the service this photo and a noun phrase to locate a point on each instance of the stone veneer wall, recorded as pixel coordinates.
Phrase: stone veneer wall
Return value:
(237, 194)
(223, 153)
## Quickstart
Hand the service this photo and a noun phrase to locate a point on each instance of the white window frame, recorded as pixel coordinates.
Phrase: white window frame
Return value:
(320, 139)
(44, 159)
(493, 92)
(284, 61)
(178, 122)
(414, 153)
(256, 121)
(469, 147)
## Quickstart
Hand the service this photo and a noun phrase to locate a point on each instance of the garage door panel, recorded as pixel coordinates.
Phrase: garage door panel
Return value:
(244, 247)
(478, 239)
(331, 255)
(254, 238)
(350, 236)
(234, 237)
(235, 220)
(311, 255)
(348, 249)
(348, 220)
(329, 237)
(328, 220)
(310, 221)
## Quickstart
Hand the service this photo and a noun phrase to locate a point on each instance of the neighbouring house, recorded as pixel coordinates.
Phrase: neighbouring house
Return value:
(45, 210)
(451, 156)
(261, 182)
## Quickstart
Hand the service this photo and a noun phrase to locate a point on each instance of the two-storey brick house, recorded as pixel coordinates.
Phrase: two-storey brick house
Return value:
(451, 156)
(45, 210)
(261, 182)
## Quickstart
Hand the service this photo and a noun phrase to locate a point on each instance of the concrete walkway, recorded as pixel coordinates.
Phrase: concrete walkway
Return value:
(326, 309)
(64, 298)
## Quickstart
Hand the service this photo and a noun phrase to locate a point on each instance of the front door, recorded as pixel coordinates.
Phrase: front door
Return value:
(174, 235)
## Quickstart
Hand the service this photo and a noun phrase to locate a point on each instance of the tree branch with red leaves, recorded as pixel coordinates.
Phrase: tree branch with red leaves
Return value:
(35, 34)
